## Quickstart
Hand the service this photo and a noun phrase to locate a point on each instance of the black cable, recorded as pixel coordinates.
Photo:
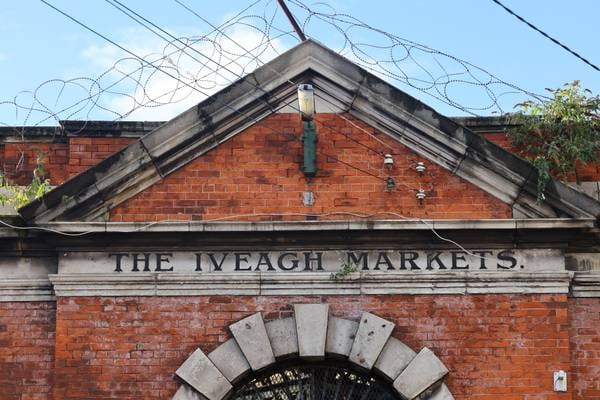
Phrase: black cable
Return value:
(514, 14)
(128, 12)
(177, 79)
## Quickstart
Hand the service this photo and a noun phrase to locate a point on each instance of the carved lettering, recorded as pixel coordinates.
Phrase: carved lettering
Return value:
(294, 261)
(163, 258)
(363, 258)
(410, 257)
(118, 258)
(242, 257)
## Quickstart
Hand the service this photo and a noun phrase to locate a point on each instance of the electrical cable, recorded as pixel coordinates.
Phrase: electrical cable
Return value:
(256, 121)
(150, 224)
(547, 36)
(220, 66)
(256, 86)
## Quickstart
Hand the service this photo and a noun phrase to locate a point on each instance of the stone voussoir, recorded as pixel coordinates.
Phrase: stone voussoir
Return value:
(311, 326)
(251, 336)
(340, 336)
(283, 336)
(394, 358)
(199, 372)
(372, 335)
(230, 360)
(424, 371)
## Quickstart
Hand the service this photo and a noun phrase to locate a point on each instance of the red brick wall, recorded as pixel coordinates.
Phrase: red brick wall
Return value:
(85, 152)
(20, 159)
(258, 172)
(585, 347)
(61, 160)
(496, 346)
(26, 350)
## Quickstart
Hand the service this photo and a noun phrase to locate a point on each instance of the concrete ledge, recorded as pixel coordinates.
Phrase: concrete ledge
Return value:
(586, 284)
(301, 283)
(382, 224)
(26, 290)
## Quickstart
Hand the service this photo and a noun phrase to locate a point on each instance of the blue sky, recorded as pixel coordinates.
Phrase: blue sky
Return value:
(37, 44)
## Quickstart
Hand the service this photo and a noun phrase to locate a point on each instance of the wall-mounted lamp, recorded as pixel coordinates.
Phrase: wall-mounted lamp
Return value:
(306, 102)
(388, 161)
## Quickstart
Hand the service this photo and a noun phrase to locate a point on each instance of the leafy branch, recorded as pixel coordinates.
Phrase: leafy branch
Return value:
(17, 196)
(560, 134)
(346, 267)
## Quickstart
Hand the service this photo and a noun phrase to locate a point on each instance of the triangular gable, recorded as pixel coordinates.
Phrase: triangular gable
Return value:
(256, 175)
(93, 193)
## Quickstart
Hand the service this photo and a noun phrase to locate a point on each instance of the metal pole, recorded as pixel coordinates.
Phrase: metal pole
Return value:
(289, 15)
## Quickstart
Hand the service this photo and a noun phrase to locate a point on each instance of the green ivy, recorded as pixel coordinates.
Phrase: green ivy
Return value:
(18, 196)
(560, 134)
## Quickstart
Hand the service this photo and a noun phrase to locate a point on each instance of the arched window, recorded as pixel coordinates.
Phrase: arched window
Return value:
(312, 356)
(326, 380)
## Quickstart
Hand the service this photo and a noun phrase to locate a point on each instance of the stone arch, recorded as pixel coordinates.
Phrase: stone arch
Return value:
(312, 334)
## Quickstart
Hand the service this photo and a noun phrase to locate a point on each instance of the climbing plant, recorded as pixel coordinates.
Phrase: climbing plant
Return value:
(560, 134)
(17, 196)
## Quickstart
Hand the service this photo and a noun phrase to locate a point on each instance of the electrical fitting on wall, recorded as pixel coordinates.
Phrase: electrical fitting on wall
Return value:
(388, 161)
(560, 381)
(420, 167)
(421, 195)
(306, 103)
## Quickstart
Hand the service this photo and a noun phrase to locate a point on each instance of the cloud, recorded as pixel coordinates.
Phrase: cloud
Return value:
(141, 92)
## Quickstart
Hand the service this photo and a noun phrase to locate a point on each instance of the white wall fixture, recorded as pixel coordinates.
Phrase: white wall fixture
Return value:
(560, 381)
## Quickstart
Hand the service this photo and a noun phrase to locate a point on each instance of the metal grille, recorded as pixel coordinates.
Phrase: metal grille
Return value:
(315, 382)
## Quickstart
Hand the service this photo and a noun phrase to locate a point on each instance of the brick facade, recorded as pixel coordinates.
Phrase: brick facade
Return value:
(584, 318)
(496, 346)
(258, 172)
(27, 343)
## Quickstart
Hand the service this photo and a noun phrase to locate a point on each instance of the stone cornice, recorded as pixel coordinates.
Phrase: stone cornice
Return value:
(586, 284)
(26, 290)
(576, 284)
(267, 284)
(241, 226)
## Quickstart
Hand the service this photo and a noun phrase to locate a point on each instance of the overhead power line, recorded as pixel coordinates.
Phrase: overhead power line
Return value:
(292, 20)
(256, 121)
(535, 28)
